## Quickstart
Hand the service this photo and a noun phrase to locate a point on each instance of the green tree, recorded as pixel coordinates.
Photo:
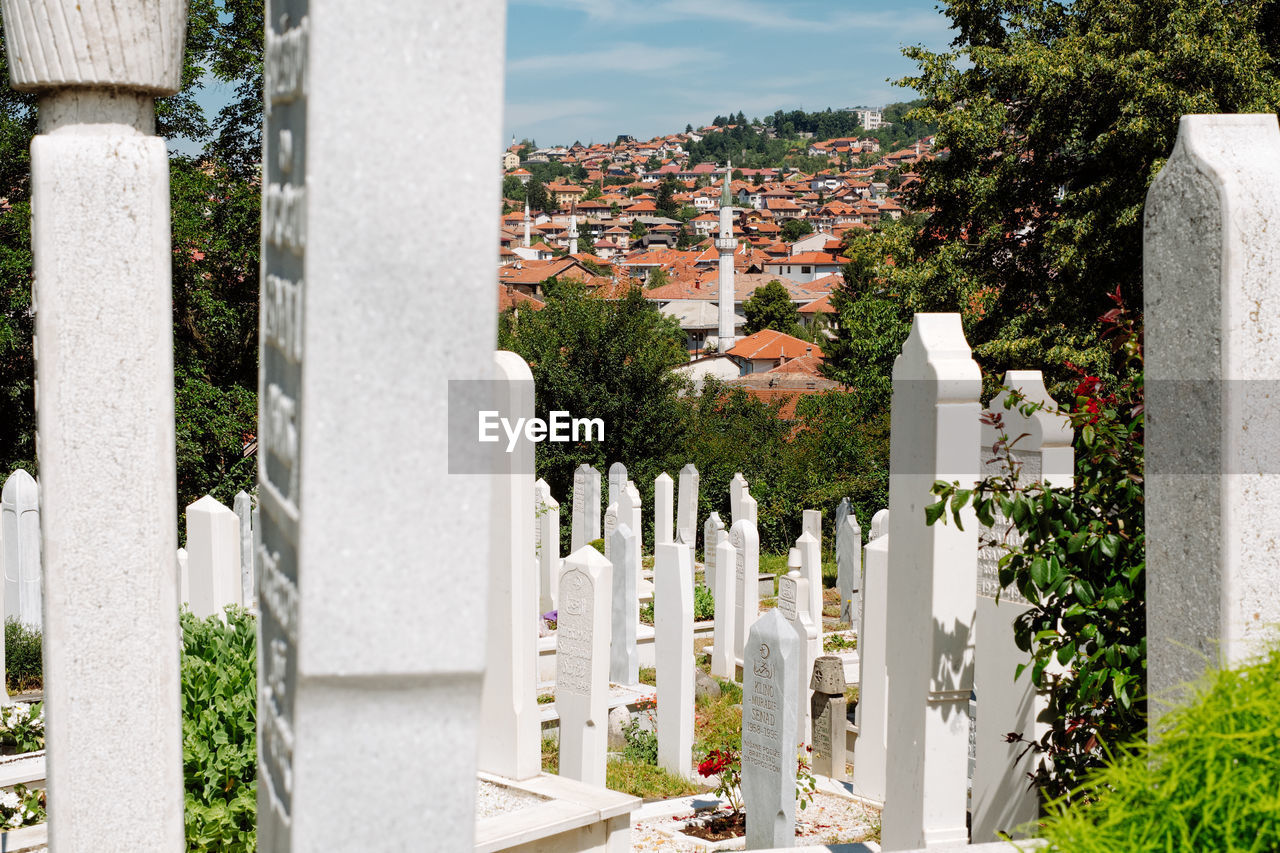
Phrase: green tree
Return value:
(1038, 207)
(638, 230)
(657, 278)
(666, 198)
(794, 229)
(770, 307)
(537, 196)
(512, 188)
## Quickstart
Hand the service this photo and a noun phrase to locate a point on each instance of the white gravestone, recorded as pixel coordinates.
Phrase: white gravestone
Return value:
(1002, 801)
(848, 566)
(184, 578)
(687, 506)
(1211, 285)
(811, 567)
(673, 655)
(843, 510)
(770, 704)
(20, 548)
(713, 533)
(663, 510)
(746, 569)
(624, 656)
(546, 545)
(103, 346)
(582, 665)
(610, 525)
(213, 557)
(630, 509)
(578, 528)
(872, 713)
(243, 508)
(792, 594)
(737, 488)
(382, 615)
(748, 507)
(512, 743)
(723, 662)
(617, 482)
(933, 577)
(828, 715)
(593, 504)
(811, 523)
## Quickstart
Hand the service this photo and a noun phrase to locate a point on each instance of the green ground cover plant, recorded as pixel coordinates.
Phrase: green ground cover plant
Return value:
(23, 663)
(219, 731)
(1208, 782)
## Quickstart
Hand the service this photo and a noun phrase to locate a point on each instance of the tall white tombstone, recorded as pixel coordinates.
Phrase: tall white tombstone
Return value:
(213, 557)
(687, 506)
(673, 655)
(746, 546)
(593, 504)
(20, 548)
(723, 660)
(843, 510)
(1211, 281)
(104, 408)
(811, 568)
(379, 615)
(243, 508)
(624, 656)
(512, 742)
(870, 750)
(1002, 801)
(546, 545)
(748, 508)
(582, 665)
(737, 488)
(713, 533)
(184, 577)
(811, 523)
(630, 509)
(663, 510)
(848, 565)
(933, 578)
(793, 592)
(617, 482)
(770, 704)
(578, 529)
(610, 525)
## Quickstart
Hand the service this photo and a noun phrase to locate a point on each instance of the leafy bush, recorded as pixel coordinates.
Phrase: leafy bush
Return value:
(1208, 782)
(642, 743)
(22, 726)
(704, 604)
(219, 734)
(23, 663)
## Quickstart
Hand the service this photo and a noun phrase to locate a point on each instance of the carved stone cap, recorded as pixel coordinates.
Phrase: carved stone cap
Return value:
(828, 675)
(126, 44)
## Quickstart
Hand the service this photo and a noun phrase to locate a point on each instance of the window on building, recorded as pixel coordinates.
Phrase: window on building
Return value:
(805, 270)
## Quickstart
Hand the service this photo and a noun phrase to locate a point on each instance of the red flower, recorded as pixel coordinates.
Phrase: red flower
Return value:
(1088, 386)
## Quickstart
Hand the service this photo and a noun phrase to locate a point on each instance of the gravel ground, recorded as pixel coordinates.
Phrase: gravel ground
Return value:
(492, 800)
(828, 819)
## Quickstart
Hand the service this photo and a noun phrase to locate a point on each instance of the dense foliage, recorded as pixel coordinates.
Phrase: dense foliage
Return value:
(1208, 782)
(23, 656)
(219, 734)
(1078, 556)
(770, 307)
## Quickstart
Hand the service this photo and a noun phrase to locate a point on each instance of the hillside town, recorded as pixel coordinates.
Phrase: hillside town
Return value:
(733, 229)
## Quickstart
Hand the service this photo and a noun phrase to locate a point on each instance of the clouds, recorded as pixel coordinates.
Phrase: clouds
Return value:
(629, 57)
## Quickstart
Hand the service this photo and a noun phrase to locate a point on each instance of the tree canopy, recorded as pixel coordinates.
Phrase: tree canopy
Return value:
(770, 307)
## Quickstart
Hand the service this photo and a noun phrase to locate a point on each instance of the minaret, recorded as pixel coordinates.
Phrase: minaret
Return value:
(573, 231)
(526, 225)
(726, 244)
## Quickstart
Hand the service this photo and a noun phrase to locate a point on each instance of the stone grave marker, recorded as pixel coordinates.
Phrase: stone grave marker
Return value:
(843, 510)
(213, 557)
(610, 525)
(1211, 275)
(932, 588)
(746, 591)
(663, 510)
(811, 523)
(673, 655)
(243, 508)
(593, 505)
(828, 710)
(624, 657)
(578, 530)
(713, 533)
(20, 548)
(184, 577)
(849, 566)
(770, 704)
(723, 662)
(630, 510)
(793, 596)
(737, 488)
(617, 481)
(103, 346)
(872, 713)
(811, 567)
(546, 539)
(748, 508)
(582, 665)
(687, 506)
(511, 745)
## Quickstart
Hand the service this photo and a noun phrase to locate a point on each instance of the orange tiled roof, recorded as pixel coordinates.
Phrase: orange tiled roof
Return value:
(772, 344)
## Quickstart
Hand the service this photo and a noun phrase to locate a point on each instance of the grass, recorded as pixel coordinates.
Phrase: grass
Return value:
(648, 675)
(776, 564)
(646, 781)
(1208, 782)
(717, 721)
(24, 667)
(546, 698)
(550, 755)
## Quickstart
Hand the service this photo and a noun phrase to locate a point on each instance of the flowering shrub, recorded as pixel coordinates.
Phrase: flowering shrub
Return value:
(726, 766)
(22, 726)
(21, 807)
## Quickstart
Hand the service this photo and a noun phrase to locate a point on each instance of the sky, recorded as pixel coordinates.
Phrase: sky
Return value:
(589, 70)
